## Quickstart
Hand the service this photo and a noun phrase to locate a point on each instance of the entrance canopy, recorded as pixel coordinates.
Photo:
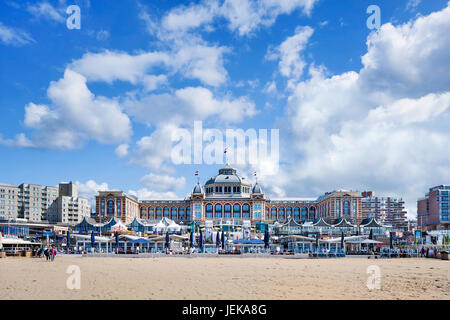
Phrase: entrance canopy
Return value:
(140, 240)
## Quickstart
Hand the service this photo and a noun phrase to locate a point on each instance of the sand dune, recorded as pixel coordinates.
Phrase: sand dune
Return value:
(223, 278)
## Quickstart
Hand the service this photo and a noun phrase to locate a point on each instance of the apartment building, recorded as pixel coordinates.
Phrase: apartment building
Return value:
(9, 196)
(388, 210)
(37, 203)
(71, 209)
(433, 209)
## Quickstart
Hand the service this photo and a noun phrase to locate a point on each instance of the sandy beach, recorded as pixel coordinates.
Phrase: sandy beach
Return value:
(223, 278)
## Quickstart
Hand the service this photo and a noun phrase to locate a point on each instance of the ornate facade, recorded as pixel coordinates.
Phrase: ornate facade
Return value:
(228, 197)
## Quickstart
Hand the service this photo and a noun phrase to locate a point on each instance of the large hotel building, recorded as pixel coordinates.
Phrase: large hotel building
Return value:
(433, 209)
(228, 197)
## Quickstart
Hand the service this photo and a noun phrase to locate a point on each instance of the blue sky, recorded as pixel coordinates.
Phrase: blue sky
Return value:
(346, 122)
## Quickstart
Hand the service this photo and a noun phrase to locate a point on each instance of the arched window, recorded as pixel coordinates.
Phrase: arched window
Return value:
(119, 207)
(304, 213)
(245, 211)
(312, 213)
(173, 214)
(110, 207)
(209, 210)
(188, 213)
(227, 210)
(151, 213)
(166, 212)
(236, 210)
(158, 213)
(288, 212)
(281, 213)
(143, 213)
(273, 213)
(218, 210)
(267, 213)
(181, 213)
(346, 208)
(297, 213)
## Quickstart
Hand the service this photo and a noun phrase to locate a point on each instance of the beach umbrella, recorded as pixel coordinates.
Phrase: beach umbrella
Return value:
(218, 239)
(266, 239)
(223, 240)
(191, 239)
(117, 241)
(167, 240)
(390, 240)
(92, 239)
(317, 241)
(68, 240)
(200, 240)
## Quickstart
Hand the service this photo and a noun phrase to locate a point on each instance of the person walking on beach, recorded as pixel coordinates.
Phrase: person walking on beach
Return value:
(53, 254)
(46, 253)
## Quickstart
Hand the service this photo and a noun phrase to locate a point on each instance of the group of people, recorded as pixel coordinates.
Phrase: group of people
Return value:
(428, 252)
(49, 253)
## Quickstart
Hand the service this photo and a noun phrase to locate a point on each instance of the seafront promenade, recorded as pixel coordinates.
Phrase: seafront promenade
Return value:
(211, 277)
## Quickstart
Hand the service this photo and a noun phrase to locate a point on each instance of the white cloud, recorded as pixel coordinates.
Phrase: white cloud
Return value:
(145, 194)
(410, 59)
(122, 150)
(245, 16)
(90, 189)
(188, 104)
(13, 36)
(383, 128)
(47, 11)
(102, 35)
(110, 66)
(20, 140)
(291, 64)
(184, 18)
(153, 150)
(412, 4)
(75, 116)
(163, 182)
(193, 60)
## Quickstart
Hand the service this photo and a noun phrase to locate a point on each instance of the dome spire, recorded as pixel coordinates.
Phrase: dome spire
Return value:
(226, 157)
(196, 174)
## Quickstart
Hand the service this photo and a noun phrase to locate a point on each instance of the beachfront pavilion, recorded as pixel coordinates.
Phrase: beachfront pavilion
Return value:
(109, 244)
(14, 246)
(298, 243)
(84, 243)
(87, 225)
(248, 246)
(378, 230)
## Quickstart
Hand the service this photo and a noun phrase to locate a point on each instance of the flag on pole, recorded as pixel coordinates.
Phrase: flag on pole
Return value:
(196, 172)
(254, 173)
(225, 150)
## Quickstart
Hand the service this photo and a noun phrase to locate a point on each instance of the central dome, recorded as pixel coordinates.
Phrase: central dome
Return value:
(227, 184)
(226, 175)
